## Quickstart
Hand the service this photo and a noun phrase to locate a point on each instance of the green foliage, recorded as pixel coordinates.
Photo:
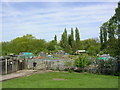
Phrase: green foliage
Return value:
(68, 43)
(64, 42)
(82, 61)
(73, 56)
(51, 45)
(69, 64)
(118, 28)
(55, 38)
(103, 35)
(71, 41)
(103, 52)
(27, 43)
(91, 45)
(107, 66)
(77, 36)
(5, 48)
(111, 29)
(105, 32)
(92, 50)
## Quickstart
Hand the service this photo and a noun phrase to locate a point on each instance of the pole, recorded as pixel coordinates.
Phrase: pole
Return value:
(5, 66)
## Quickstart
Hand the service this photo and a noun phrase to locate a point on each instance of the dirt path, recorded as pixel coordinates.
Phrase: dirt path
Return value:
(21, 73)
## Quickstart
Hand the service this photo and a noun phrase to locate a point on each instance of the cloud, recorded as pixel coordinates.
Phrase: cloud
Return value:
(60, 0)
(46, 20)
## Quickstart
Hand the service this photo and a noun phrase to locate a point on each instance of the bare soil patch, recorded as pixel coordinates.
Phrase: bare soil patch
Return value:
(58, 79)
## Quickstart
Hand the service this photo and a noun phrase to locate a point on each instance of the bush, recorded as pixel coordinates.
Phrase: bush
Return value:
(69, 66)
(82, 61)
(108, 67)
(69, 70)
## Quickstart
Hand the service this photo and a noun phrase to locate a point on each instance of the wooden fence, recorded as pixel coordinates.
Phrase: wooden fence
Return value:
(12, 64)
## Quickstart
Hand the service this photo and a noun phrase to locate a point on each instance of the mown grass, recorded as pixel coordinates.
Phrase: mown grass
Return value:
(71, 80)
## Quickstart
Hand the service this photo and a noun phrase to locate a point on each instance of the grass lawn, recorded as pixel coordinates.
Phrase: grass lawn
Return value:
(63, 80)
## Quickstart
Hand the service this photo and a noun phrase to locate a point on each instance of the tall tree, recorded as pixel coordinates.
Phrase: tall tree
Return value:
(72, 38)
(77, 36)
(55, 38)
(113, 31)
(63, 38)
(111, 37)
(105, 32)
(101, 37)
(64, 41)
(72, 41)
(117, 14)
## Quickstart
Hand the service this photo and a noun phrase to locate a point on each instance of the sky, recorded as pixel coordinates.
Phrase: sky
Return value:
(44, 20)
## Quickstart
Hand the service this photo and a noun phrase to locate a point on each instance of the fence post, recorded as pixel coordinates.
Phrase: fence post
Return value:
(13, 66)
(27, 65)
(5, 66)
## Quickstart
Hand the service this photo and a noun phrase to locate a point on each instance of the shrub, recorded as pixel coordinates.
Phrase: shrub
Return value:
(108, 67)
(82, 61)
(69, 66)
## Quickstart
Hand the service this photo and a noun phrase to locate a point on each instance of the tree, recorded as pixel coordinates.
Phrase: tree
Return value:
(51, 45)
(77, 36)
(5, 48)
(72, 41)
(111, 37)
(27, 43)
(64, 41)
(101, 37)
(55, 38)
(117, 14)
(91, 45)
(112, 27)
(105, 33)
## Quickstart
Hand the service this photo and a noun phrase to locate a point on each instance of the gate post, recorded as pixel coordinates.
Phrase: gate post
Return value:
(5, 66)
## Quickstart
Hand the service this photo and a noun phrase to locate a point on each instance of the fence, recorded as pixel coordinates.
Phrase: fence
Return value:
(50, 64)
(109, 67)
(12, 64)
